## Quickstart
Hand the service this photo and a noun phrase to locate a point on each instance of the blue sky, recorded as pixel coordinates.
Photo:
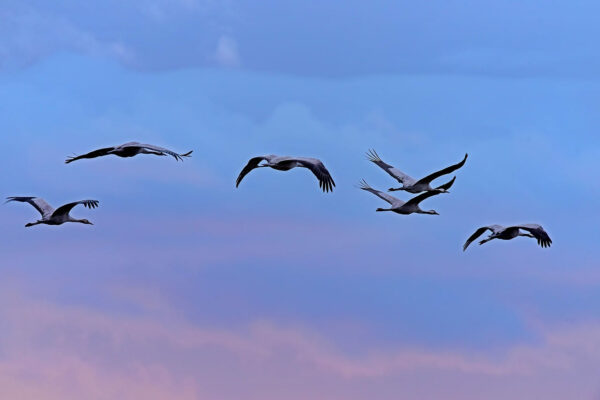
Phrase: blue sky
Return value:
(188, 284)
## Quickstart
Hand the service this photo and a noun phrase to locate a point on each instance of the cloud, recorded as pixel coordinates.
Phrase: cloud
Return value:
(161, 10)
(54, 351)
(292, 37)
(226, 53)
(28, 34)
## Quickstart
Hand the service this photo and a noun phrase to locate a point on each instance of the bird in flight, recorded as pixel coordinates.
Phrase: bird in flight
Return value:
(411, 184)
(50, 216)
(285, 163)
(399, 206)
(129, 150)
(510, 232)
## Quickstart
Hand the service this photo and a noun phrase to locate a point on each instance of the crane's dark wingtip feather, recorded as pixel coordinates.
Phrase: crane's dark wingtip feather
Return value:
(372, 155)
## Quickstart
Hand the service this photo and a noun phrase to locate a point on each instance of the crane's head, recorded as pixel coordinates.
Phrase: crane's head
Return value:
(85, 221)
(431, 212)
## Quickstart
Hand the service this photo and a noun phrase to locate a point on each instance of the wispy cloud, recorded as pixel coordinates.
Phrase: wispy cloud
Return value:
(53, 351)
(161, 10)
(28, 34)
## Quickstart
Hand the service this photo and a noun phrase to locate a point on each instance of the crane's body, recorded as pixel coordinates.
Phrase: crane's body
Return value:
(510, 232)
(286, 163)
(400, 207)
(51, 216)
(130, 149)
(410, 184)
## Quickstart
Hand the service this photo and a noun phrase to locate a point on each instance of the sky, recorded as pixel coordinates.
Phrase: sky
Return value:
(188, 288)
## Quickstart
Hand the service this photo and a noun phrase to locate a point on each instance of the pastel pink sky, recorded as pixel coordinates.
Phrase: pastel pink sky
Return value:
(58, 352)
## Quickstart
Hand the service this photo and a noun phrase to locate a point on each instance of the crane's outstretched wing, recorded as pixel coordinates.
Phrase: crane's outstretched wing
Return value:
(64, 210)
(92, 154)
(316, 166)
(447, 185)
(417, 199)
(444, 171)
(43, 208)
(479, 232)
(538, 232)
(393, 172)
(252, 163)
(160, 150)
(394, 201)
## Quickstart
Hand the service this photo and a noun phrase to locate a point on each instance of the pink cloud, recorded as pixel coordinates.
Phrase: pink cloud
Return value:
(52, 351)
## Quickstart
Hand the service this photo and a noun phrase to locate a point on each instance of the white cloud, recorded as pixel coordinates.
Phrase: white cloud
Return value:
(226, 53)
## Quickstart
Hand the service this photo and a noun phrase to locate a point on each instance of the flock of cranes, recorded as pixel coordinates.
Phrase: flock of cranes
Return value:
(421, 187)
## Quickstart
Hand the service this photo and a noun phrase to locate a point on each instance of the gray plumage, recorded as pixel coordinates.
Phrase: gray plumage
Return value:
(399, 206)
(51, 216)
(285, 163)
(130, 149)
(411, 184)
(510, 232)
